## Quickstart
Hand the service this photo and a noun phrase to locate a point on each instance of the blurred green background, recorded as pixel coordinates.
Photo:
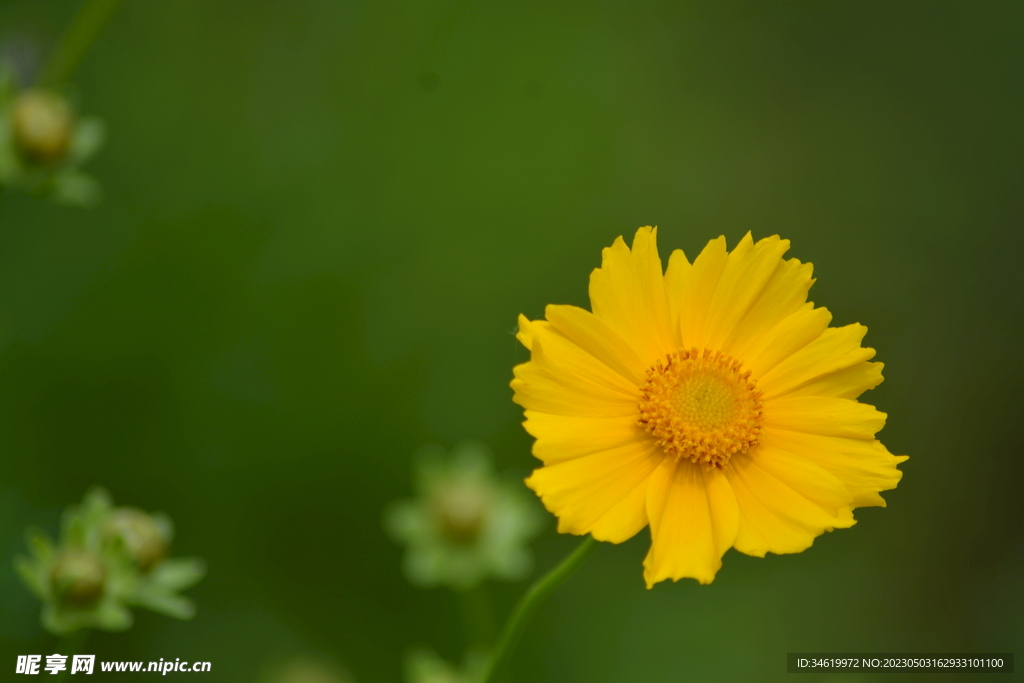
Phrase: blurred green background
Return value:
(321, 219)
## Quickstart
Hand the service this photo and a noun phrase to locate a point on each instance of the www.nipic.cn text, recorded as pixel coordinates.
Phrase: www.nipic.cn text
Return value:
(87, 664)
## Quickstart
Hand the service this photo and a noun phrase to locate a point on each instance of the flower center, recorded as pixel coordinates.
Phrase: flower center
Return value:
(461, 509)
(701, 405)
(77, 578)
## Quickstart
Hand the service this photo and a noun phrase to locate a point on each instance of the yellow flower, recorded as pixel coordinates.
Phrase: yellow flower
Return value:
(709, 400)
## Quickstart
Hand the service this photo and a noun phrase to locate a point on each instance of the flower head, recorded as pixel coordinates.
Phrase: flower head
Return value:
(41, 125)
(106, 560)
(145, 538)
(425, 666)
(309, 669)
(77, 577)
(710, 401)
(43, 143)
(466, 524)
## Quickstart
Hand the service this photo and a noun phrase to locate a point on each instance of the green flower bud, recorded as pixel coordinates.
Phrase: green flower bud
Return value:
(309, 670)
(106, 560)
(142, 538)
(424, 666)
(466, 523)
(461, 509)
(77, 578)
(42, 125)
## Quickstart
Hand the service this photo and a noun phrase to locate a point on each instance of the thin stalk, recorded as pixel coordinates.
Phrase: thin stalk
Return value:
(71, 644)
(528, 605)
(477, 616)
(85, 28)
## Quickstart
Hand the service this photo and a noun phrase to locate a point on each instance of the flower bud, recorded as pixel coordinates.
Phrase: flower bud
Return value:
(77, 578)
(466, 523)
(42, 125)
(461, 510)
(310, 670)
(142, 538)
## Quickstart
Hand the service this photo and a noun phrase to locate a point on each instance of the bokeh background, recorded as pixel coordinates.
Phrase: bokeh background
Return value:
(321, 219)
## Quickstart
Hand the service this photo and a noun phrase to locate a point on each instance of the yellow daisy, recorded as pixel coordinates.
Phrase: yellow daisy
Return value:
(710, 400)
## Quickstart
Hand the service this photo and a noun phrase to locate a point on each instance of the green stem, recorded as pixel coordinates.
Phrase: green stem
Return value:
(70, 645)
(528, 605)
(477, 617)
(84, 29)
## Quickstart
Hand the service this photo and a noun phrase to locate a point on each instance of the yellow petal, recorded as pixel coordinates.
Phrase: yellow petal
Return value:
(864, 466)
(823, 415)
(555, 352)
(603, 494)
(725, 513)
(628, 293)
(675, 282)
(747, 271)
(836, 349)
(849, 382)
(548, 389)
(694, 520)
(774, 517)
(790, 335)
(525, 330)
(784, 295)
(597, 338)
(698, 289)
(803, 476)
(561, 437)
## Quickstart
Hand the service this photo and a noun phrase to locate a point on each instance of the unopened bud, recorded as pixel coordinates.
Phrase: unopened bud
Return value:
(461, 508)
(142, 538)
(42, 125)
(77, 578)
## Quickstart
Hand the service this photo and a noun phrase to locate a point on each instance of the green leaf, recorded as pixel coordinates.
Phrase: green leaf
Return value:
(164, 525)
(90, 133)
(112, 616)
(40, 545)
(178, 573)
(61, 623)
(73, 531)
(75, 189)
(168, 604)
(97, 499)
(10, 164)
(31, 576)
